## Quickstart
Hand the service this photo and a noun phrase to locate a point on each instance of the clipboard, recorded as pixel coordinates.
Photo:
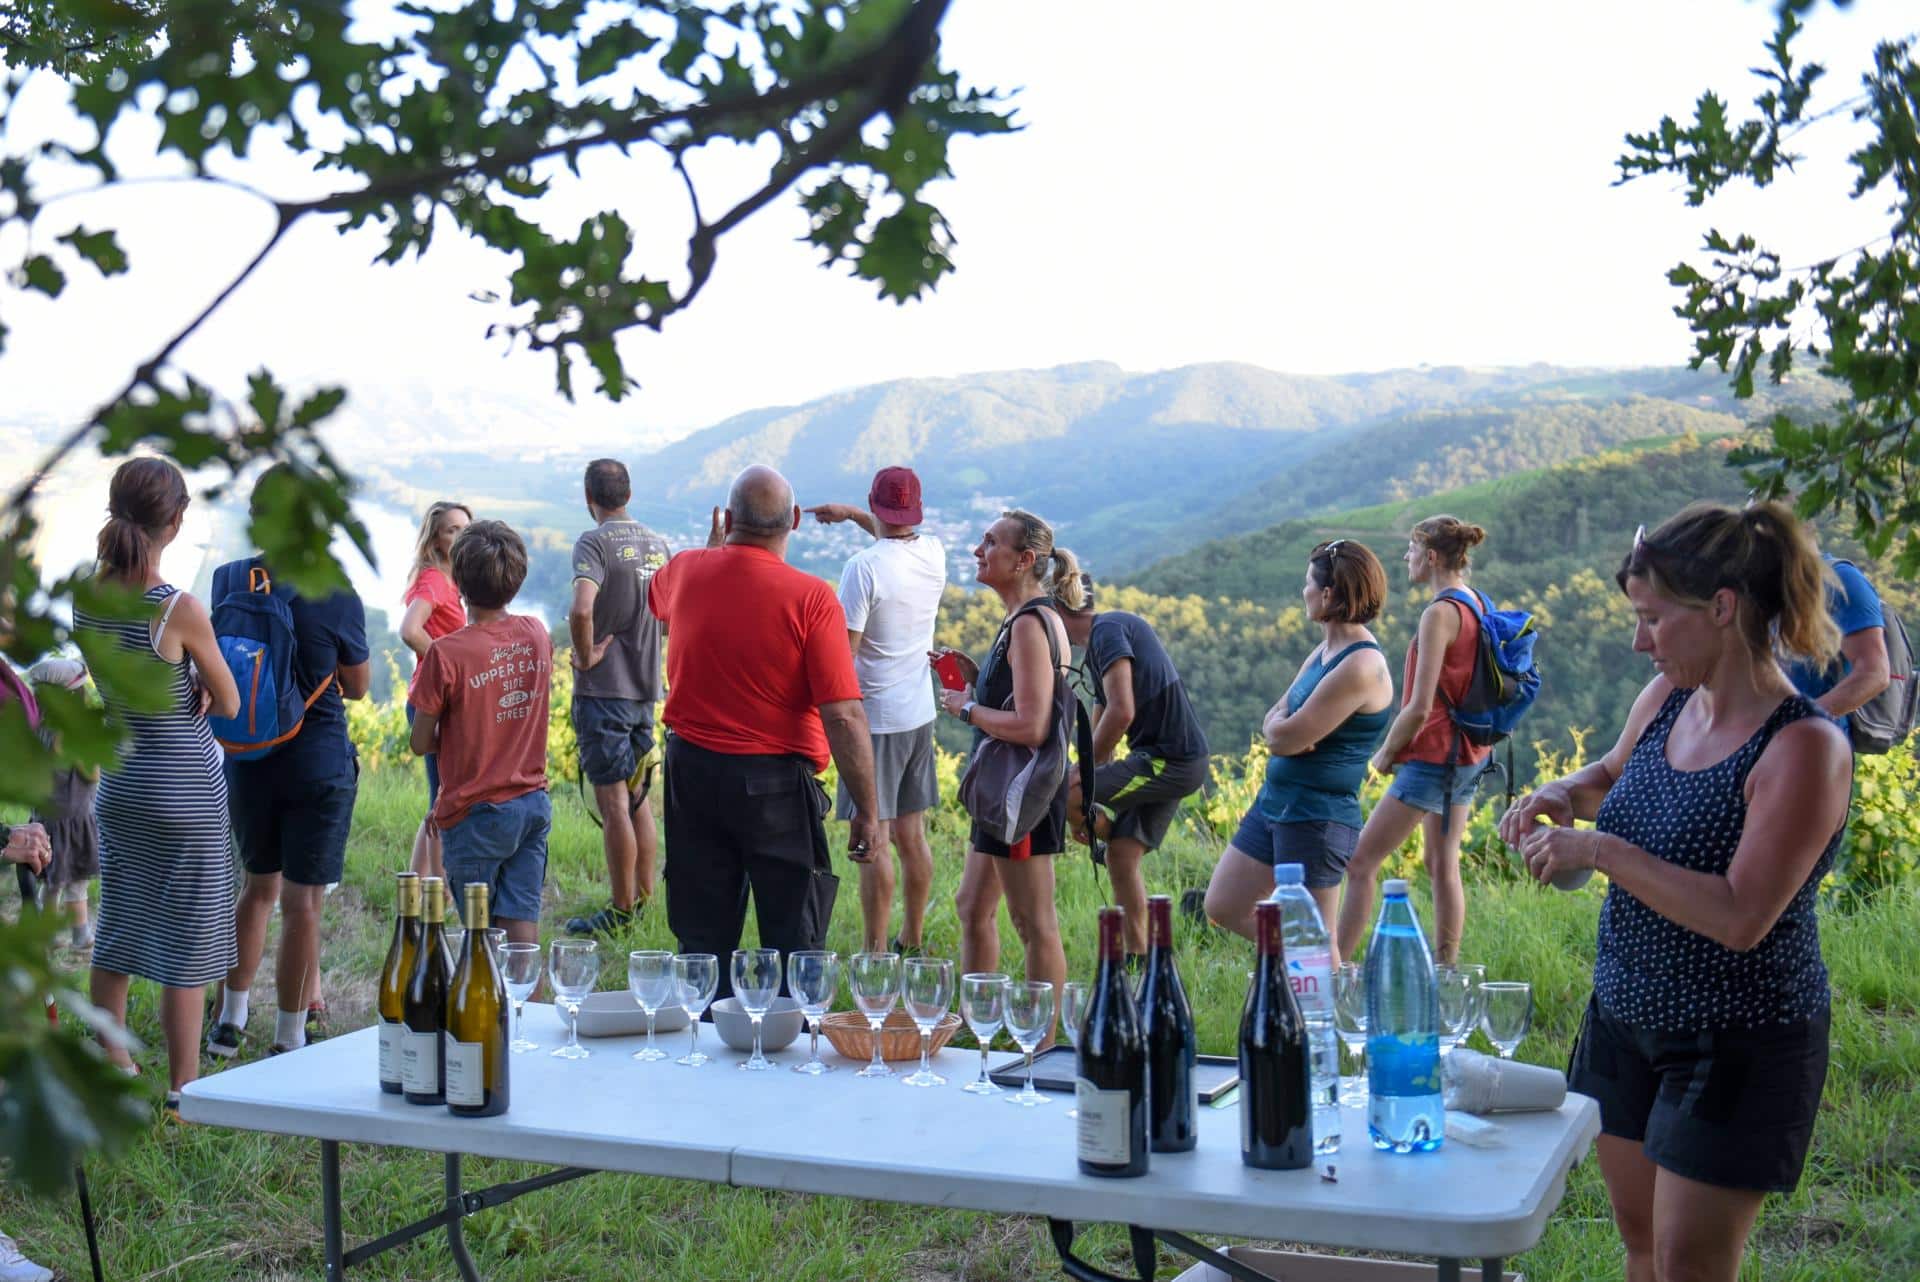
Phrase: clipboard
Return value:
(1055, 1068)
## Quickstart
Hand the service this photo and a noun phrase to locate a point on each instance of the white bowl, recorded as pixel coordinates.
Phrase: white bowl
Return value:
(616, 1014)
(778, 1027)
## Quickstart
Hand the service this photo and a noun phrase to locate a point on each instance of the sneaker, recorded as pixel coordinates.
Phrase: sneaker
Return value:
(225, 1040)
(15, 1267)
(907, 950)
(80, 939)
(607, 921)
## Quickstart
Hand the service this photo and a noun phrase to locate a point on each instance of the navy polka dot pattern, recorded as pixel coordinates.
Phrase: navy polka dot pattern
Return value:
(1655, 973)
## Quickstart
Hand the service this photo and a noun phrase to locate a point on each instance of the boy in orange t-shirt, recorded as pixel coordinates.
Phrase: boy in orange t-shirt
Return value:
(480, 701)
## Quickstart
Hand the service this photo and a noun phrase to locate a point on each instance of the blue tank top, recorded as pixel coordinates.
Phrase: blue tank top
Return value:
(1654, 973)
(1324, 785)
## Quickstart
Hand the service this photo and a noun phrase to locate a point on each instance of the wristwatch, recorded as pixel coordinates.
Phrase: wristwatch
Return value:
(966, 712)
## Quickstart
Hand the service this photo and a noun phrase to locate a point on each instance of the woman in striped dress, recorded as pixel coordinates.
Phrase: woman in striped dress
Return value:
(166, 865)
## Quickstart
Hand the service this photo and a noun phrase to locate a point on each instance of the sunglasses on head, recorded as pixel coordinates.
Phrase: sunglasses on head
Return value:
(1645, 549)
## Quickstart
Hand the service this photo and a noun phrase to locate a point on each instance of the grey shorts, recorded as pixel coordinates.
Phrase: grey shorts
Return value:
(903, 775)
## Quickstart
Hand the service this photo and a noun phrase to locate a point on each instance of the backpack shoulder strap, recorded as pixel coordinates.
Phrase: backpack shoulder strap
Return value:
(1035, 607)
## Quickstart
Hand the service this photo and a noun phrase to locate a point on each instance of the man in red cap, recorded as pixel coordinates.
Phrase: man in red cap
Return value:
(890, 591)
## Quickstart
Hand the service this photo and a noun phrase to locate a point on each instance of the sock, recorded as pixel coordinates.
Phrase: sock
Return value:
(290, 1029)
(233, 1006)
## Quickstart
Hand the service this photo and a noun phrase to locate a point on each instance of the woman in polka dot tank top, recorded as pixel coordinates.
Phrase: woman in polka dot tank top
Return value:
(1716, 815)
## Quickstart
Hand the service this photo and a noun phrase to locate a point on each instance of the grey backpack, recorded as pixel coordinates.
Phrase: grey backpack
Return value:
(1885, 721)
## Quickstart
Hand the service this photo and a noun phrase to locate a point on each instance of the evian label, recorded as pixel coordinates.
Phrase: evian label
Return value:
(1310, 971)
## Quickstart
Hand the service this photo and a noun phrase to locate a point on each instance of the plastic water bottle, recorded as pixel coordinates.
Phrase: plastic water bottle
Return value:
(1310, 970)
(1405, 1109)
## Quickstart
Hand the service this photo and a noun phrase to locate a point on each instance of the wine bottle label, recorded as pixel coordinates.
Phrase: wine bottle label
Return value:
(1104, 1123)
(466, 1073)
(390, 1035)
(420, 1062)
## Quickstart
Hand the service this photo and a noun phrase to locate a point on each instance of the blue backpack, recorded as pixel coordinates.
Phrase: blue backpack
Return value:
(1505, 680)
(254, 629)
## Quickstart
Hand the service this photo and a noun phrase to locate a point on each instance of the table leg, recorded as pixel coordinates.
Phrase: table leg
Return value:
(1449, 1269)
(330, 1210)
(1492, 1269)
(456, 1236)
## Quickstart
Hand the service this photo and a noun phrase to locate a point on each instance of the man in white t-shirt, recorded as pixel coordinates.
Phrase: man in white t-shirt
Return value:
(891, 594)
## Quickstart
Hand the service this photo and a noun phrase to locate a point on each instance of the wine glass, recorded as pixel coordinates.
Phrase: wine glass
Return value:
(1476, 976)
(1453, 992)
(695, 978)
(814, 977)
(1073, 1009)
(927, 987)
(520, 972)
(983, 1004)
(874, 981)
(650, 978)
(454, 936)
(572, 966)
(756, 978)
(1350, 1022)
(1029, 1018)
(1509, 1013)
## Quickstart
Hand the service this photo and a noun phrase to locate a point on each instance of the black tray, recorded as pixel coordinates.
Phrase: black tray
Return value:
(1054, 1070)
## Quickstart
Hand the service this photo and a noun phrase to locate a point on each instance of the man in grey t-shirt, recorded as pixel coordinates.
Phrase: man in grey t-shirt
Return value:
(616, 680)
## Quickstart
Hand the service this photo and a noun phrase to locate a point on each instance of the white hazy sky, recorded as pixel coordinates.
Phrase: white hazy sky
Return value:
(1313, 187)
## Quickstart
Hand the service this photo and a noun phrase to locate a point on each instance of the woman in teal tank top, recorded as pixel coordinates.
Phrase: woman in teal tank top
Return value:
(1321, 733)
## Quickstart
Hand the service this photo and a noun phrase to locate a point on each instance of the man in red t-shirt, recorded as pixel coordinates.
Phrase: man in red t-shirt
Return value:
(760, 691)
(480, 701)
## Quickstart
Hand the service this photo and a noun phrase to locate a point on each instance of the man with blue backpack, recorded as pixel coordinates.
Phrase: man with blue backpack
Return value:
(291, 772)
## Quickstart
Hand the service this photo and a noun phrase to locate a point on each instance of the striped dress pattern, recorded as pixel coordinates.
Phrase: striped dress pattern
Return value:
(166, 862)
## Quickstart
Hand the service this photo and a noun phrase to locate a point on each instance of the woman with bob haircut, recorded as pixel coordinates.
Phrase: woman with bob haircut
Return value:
(1320, 734)
(1716, 814)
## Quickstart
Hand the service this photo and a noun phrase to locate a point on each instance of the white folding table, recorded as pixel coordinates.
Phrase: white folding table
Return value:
(841, 1135)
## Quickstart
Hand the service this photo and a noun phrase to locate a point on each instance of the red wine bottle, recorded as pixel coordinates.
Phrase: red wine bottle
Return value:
(1276, 1114)
(1167, 1023)
(1111, 1091)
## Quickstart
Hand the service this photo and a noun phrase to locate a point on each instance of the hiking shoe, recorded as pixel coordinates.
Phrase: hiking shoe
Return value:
(1193, 905)
(607, 921)
(225, 1040)
(907, 950)
(16, 1267)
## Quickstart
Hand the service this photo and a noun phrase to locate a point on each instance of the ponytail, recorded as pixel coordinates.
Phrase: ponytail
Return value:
(1794, 595)
(1450, 539)
(146, 496)
(1070, 589)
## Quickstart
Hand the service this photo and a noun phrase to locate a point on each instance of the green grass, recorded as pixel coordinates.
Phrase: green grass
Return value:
(203, 1203)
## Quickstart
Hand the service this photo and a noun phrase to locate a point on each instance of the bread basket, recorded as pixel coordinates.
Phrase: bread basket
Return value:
(852, 1036)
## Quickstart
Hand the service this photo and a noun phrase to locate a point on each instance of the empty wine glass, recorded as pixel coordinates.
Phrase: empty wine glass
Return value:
(455, 936)
(756, 978)
(1029, 1018)
(927, 987)
(874, 981)
(1453, 992)
(572, 967)
(650, 978)
(520, 972)
(1350, 1022)
(983, 1004)
(1508, 1014)
(1073, 1009)
(695, 978)
(814, 977)
(1476, 976)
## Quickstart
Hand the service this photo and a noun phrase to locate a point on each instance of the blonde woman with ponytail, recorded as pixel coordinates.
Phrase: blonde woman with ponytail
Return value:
(1715, 815)
(1016, 558)
(166, 876)
(433, 609)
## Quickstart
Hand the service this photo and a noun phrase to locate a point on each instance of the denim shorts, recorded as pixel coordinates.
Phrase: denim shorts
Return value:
(1321, 847)
(503, 844)
(614, 736)
(1423, 785)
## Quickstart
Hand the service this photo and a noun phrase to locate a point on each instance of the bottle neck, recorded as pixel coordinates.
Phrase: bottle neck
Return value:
(1267, 938)
(1113, 948)
(1160, 923)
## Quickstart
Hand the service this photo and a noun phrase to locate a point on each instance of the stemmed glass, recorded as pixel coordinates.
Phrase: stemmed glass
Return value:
(650, 977)
(520, 972)
(874, 981)
(756, 978)
(1029, 1016)
(1453, 991)
(814, 977)
(1350, 1022)
(572, 966)
(928, 989)
(1476, 976)
(1509, 1013)
(983, 1004)
(695, 977)
(1073, 1008)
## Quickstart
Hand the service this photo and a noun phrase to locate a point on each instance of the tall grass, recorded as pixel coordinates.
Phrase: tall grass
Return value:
(204, 1203)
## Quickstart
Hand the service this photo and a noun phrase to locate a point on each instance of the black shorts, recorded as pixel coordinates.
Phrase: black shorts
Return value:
(614, 735)
(1049, 836)
(1145, 792)
(1733, 1108)
(300, 833)
(1321, 847)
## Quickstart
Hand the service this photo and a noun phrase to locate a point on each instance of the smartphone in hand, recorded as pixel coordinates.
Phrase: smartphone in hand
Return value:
(948, 668)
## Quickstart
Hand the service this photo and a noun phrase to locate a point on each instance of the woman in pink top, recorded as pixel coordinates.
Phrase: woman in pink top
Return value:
(433, 610)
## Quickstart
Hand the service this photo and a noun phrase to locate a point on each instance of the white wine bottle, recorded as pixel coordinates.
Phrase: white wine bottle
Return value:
(422, 1049)
(393, 980)
(476, 1039)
